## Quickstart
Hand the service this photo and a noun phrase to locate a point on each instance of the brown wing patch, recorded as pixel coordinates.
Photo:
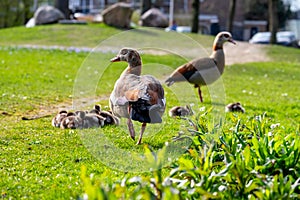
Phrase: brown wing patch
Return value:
(156, 92)
(132, 95)
(153, 97)
(186, 67)
(184, 72)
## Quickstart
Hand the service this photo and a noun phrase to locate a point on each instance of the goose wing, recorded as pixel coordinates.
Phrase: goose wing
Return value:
(147, 100)
(192, 71)
(144, 94)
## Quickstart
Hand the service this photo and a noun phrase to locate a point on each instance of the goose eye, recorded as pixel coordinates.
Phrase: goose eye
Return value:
(124, 51)
(133, 59)
(226, 36)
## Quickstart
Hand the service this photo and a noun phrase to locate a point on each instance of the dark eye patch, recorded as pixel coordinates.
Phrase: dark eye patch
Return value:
(226, 35)
(132, 57)
(124, 51)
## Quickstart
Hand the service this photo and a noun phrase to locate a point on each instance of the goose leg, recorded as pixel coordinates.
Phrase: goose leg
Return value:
(200, 94)
(141, 133)
(130, 125)
(131, 129)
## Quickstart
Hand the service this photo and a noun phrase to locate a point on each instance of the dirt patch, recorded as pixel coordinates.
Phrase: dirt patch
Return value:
(244, 52)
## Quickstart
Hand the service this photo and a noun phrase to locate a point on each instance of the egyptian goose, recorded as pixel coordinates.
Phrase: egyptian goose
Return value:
(202, 71)
(136, 97)
(234, 107)
(180, 111)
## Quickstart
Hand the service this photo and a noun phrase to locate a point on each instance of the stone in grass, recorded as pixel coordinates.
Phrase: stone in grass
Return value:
(154, 18)
(47, 15)
(118, 15)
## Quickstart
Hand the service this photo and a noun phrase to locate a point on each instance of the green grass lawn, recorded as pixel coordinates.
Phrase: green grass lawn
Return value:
(39, 161)
(61, 35)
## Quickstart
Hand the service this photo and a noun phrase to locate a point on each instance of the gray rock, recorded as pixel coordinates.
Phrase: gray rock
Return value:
(118, 15)
(47, 15)
(154, 18)
(30, 23)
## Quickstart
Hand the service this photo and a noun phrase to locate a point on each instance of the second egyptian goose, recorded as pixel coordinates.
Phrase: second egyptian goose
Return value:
(136, 97)
(203, 71)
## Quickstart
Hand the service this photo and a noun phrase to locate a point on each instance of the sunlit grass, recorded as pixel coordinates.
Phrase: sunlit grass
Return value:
(39, 161)
(60, 35)
(266, 87)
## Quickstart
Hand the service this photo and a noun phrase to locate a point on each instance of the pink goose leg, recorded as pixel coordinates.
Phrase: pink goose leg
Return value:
(130, 126)
(200, 94)
(141, 133)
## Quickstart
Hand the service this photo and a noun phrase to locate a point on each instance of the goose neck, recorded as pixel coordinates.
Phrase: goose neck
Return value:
(136, 70)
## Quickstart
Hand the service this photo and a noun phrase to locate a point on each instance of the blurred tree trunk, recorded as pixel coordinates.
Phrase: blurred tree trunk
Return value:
(27, 12)
(273, 20)
(11, 13)
(145, 5)
(4, 11)
(158, 3)
(18, 14)
(232, 6)
(63, 6)
(195, 19)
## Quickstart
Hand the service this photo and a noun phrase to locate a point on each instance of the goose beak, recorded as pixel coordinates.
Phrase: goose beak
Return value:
(232, 41)
(115, 59)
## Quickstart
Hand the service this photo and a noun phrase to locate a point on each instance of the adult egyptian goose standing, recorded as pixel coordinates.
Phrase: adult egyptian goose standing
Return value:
(203, 71)
(136, 97)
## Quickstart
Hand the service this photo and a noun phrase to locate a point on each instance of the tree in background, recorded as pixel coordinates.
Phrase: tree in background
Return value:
(256, 10)
(284, 13)
(259, 10)
(14, 12)
(145, 5)
(4, 13)
(195, 17)
(231, 15)
(27, 10)
(63, 6)
(276, 12)
(273, 19)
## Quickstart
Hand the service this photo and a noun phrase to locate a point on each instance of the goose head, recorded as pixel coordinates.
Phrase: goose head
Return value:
(130, 56)
(221, 38)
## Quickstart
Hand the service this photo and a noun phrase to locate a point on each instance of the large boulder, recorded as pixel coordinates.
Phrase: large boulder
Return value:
(118, 15)
(154, 18)
(30, 23)
(47, 15)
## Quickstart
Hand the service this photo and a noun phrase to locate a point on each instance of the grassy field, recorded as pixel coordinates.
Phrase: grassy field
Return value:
(57, 35)
(253, 155)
